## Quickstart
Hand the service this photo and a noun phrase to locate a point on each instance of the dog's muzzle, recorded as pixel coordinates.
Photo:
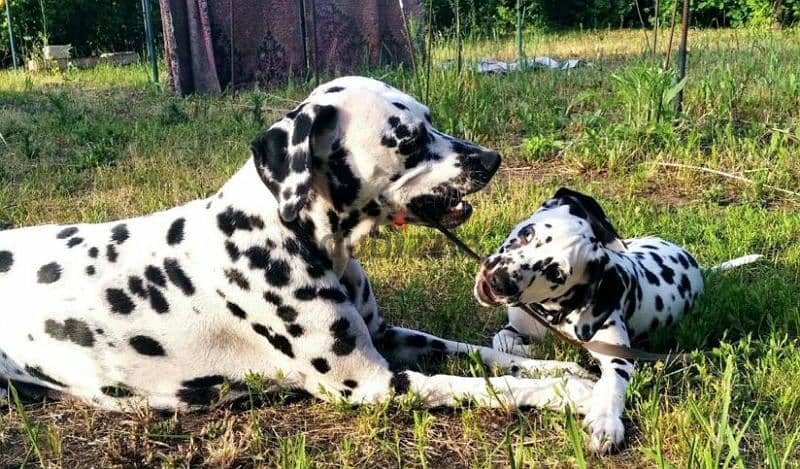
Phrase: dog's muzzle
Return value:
(447, 208)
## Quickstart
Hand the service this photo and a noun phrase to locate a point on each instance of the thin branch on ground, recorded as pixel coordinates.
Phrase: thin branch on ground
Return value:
(734, 176)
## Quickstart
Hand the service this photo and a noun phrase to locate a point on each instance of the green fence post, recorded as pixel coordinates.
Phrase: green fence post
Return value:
(682, 56)
(151, 46)
(11, 34)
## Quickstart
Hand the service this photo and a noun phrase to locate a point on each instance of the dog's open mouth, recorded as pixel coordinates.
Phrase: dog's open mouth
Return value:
(448, 210)
(456, 214)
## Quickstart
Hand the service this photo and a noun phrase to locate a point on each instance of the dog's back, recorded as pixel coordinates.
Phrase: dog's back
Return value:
(669, 282)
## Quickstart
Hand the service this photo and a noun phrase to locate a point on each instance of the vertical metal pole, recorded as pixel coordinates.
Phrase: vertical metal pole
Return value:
(301, 14)
(682, 56)
(429, 54)
(232, 83)
(458, 37)
(315, 46)
(519, 35)
(11, 34)
(151, 46)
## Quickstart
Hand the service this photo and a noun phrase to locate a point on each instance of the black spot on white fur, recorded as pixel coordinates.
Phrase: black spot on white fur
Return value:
(400, 383)
(67, 232)
(175, 232)
(136, 286)
(6, 261)
(344, 343)
(71, 330)
(280, 342)
(321, 365)
(147, 346)
(119, 301)
(120, 233)
(236, 310)
(49, 273)
(178, 277)
(231, 220)
(157, 300)
(154, 275)
(111, 253)
(236, 277)
(118, 391)
(305, 293)
(37, 373)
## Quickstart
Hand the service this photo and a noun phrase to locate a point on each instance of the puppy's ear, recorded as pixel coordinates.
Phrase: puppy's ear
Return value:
(609, 293)
(584, 206)
(284, 155)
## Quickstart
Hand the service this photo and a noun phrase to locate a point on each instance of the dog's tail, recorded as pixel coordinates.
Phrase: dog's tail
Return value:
(733, 263)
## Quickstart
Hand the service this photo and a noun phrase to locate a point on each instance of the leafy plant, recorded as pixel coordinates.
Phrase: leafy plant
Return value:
(646, 92)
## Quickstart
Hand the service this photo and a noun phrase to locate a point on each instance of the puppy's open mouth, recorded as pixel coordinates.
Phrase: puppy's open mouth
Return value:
(484, 294)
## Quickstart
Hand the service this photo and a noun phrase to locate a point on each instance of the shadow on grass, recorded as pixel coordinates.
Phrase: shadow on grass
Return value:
(738, 304)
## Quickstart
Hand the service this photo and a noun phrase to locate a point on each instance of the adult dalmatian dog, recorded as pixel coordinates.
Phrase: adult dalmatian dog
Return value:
(172, 307)
(568, 263)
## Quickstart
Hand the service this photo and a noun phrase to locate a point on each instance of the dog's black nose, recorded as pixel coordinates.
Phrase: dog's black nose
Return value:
(584, 333)
(502, 284)
(490, 160)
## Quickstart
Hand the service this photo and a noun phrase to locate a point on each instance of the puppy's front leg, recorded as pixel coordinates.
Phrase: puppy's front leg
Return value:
(515, 336)
(604, 419)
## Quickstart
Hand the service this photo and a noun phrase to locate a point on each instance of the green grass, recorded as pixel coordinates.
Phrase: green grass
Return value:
(98, 145)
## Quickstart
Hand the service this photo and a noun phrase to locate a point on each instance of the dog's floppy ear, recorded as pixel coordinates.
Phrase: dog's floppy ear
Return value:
(284, 155)
(581, 205)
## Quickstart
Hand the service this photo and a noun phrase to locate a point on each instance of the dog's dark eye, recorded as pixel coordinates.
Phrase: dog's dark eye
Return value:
(526, 234)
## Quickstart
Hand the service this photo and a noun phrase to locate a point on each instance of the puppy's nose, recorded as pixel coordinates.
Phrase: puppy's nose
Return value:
(490, 160)
(502, 284)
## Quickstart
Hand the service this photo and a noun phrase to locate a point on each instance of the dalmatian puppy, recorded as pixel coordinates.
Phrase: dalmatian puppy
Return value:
(568, 263)
(176, 308)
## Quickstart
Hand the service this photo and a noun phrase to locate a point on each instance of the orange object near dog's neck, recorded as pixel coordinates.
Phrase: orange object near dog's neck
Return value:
(399, 220)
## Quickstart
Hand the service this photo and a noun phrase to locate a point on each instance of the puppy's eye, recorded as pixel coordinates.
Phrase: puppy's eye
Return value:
(555, 274)
(526, 234)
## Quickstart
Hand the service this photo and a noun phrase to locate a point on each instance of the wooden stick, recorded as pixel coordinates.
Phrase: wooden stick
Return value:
(671, 34)
(641, 20)
(407, 29)
(655, 30)
(720, 173)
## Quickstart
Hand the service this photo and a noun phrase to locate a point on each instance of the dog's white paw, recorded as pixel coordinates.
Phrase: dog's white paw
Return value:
(605, 430)
(3, 394)
(510, 342)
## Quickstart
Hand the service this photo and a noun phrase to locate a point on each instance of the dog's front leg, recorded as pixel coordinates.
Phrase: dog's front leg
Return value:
(502, 391)
(365, 385)
(604, 419)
